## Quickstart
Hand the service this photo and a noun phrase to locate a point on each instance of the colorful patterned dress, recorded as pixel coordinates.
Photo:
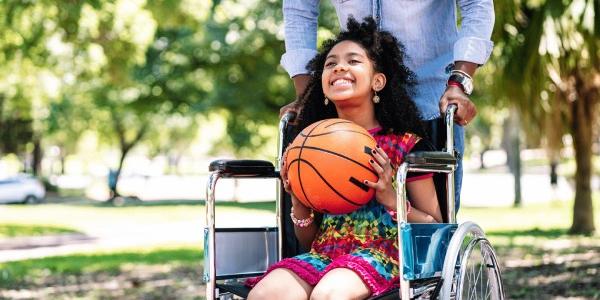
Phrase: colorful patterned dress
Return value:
(364, 241)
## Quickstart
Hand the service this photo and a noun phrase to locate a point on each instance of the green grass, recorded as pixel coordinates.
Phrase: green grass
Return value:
(540, 260)
(20, 230)
(14, 274)
(533, 225)
(533, 233)
(554, 214)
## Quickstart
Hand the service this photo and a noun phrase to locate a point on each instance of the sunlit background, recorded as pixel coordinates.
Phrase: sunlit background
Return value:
(143, 95)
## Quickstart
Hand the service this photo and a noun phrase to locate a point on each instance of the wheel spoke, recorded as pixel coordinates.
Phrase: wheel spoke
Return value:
(479, 275)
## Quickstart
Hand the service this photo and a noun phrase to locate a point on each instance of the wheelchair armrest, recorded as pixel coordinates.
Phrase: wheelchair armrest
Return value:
(431, 158)
(246, 167)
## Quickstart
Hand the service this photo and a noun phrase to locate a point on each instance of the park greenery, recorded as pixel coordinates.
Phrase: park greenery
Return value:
(540, 260)
(143, 72)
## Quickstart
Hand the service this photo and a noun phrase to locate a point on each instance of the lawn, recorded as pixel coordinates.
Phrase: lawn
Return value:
(127, 274)
(539, 260)
(20, 230)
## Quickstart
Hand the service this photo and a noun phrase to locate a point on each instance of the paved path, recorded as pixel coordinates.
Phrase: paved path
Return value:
(116, 235)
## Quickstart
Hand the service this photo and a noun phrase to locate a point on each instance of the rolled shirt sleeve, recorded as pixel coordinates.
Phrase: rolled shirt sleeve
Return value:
(300, 19)
(474, 44)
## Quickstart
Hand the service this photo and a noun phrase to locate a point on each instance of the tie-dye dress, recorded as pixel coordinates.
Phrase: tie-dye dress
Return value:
(364, 241)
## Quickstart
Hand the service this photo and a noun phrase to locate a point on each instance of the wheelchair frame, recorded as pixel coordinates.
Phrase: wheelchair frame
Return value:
(465, 238)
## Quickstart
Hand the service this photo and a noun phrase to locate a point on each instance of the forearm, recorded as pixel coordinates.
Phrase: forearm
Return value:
(300, 83)
(305, 235)
(424, 201)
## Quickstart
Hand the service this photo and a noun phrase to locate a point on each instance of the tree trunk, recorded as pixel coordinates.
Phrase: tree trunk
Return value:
(482, 165)
(124, 151)
(582, 118)
(36, 166)
(553, 173)
(514, 153)
(63, 159)
(125, 146)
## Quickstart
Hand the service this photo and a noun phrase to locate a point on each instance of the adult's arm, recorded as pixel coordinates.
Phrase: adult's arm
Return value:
(300, 18)
(472, 49)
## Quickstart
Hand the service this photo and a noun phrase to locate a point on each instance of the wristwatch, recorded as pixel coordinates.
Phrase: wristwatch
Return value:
(463, 79)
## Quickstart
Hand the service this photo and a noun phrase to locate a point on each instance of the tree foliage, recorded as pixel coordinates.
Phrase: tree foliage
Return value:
(549, 53)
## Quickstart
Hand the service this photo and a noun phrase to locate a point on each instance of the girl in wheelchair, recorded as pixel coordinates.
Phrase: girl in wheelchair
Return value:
(358, 76)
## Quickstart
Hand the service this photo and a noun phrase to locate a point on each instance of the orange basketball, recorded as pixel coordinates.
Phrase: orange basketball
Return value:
(327, 164)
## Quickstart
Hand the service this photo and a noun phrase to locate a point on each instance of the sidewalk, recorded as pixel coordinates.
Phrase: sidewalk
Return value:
(118, 236)
(20, 243)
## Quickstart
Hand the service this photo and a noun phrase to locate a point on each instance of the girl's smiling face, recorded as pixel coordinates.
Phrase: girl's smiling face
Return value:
(349, 74)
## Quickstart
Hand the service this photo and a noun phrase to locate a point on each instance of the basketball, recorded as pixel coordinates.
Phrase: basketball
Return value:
(327, 164)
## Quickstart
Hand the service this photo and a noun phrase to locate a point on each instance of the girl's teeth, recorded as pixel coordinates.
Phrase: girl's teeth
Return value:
(341, 82)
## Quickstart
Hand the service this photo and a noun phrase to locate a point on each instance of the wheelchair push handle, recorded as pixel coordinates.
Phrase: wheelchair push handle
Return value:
(288, 118)
(450, 110)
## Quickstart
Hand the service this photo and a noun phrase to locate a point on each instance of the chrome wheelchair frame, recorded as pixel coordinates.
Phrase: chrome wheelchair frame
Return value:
(455, 261)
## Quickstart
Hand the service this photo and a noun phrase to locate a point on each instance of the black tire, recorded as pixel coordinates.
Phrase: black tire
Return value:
(31, 199)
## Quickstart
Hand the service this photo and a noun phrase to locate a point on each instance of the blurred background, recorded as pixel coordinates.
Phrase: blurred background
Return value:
(111, 111)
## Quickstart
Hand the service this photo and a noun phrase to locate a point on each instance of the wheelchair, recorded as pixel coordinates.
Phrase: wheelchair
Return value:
(437, 261)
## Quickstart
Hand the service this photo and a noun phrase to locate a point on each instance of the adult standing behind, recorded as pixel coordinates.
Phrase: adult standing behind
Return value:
(443, 56)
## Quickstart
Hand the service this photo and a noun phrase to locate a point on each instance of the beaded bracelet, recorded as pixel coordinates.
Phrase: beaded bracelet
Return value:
(302, 223)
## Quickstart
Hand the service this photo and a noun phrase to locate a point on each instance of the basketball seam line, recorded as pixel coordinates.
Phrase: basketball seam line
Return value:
(299, 156)
(340, 130)
(325, 181)
(336, 154)
(341, 121)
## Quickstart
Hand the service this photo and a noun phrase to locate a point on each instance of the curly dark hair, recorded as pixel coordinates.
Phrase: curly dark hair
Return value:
(396, 112)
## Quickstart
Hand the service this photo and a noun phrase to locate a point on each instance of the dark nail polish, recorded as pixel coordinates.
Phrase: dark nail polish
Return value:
(372, 161)
(365, 182)
(373, 151)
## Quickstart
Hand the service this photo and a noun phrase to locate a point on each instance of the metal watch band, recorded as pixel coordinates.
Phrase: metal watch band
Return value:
(465, 82)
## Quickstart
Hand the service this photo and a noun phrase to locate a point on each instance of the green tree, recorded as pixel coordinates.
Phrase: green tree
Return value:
(550, 60)
(244, 45)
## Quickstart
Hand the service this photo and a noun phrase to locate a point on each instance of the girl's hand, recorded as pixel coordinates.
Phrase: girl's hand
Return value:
(299, 206)
(283, 174)
(284, 178)
(384, 189)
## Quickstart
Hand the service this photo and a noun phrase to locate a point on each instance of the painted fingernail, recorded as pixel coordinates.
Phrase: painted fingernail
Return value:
(373, 151)
(377, 146)
(371, 161)
(365, 182)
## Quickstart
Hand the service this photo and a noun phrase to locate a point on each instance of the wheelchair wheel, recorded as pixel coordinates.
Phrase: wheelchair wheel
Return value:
(471, 268)
(479, 275)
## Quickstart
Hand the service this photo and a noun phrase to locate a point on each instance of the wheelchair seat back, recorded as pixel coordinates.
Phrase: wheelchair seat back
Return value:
(242, 252)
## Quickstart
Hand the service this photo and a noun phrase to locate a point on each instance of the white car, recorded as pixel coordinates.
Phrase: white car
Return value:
(22, 189)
